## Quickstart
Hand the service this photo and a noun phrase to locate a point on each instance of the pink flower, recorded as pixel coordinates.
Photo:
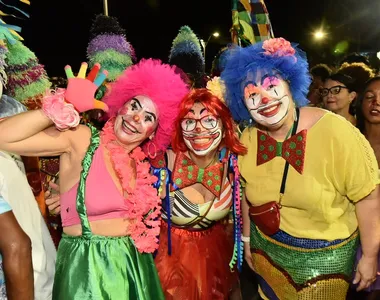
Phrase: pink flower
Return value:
(61, 113)
(278, 47)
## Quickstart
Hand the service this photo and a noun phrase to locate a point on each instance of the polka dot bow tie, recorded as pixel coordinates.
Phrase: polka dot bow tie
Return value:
(187, 173)
(292, 149)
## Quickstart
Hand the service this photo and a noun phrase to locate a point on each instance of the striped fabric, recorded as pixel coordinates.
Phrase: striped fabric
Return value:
(184, 211)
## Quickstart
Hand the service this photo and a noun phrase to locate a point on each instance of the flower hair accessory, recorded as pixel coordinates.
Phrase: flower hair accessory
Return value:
(63, 114)
(217, 88)
(278, 47)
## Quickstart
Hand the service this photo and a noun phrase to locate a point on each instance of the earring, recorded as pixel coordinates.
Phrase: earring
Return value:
(155, 150)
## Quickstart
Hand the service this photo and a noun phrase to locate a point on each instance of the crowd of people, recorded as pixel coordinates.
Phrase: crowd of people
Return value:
(259, 183)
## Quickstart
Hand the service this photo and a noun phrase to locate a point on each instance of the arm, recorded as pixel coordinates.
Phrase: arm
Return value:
(15, 247)
(29, 134)
(368, 215)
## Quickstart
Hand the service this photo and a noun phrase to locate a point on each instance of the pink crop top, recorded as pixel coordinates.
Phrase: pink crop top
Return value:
(102, 197)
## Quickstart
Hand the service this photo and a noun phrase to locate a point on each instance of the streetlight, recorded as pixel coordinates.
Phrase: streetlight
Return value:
(204, 44)
(319, 35)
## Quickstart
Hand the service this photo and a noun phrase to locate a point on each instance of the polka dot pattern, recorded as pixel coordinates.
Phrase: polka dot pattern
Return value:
(292, 149)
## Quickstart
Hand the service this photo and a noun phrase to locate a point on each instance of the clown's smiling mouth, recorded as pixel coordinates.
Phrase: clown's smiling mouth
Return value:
(202, 142)
(128, 127)
(270, 110)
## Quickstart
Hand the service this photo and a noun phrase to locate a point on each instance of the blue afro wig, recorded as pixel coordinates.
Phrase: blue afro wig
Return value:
(243, 62)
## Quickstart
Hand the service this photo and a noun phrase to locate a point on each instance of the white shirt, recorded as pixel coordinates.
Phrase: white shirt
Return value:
(15, 189)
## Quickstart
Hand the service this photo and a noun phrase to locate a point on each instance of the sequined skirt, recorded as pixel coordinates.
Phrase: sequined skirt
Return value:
(198, 268)
(104, 268)
(290, 268)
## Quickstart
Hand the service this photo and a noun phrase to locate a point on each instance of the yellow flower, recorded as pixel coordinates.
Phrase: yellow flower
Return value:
(217, 88)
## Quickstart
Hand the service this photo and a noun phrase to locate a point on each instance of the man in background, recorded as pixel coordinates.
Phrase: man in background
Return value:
(319, 73)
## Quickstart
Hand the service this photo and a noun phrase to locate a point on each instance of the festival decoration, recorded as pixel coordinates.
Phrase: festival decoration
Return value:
(250, 22)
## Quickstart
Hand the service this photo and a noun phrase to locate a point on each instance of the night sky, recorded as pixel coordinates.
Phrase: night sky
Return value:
(58, 31)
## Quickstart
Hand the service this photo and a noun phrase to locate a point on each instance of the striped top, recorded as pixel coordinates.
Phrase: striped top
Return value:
(183, 211)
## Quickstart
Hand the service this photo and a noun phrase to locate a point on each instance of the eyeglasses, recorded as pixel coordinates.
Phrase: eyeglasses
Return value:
(207, 122)
(335, 90)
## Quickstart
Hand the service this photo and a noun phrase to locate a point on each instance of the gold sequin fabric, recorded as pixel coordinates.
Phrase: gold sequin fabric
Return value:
(291, 268)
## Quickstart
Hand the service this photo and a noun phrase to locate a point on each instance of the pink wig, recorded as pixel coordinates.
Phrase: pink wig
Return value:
(160, 83)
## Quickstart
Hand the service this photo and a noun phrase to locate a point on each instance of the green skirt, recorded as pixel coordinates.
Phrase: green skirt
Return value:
(104, 268)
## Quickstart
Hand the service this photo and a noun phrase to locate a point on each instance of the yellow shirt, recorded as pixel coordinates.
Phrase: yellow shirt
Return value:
(340, 169)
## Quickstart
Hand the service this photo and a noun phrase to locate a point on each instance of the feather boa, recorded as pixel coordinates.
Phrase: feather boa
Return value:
(142, 203)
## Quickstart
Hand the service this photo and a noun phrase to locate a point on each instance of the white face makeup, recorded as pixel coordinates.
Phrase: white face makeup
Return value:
(267, 99)
(202, 132)
(136, 120)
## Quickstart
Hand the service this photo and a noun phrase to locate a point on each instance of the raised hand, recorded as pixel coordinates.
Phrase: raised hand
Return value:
(80, 90)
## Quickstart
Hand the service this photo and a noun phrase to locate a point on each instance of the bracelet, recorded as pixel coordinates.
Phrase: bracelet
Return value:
(63, 114)
(246, 239)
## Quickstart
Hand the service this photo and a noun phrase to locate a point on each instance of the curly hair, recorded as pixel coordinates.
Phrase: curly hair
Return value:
(243, 62)
(360, 72)
(217, 108)
(321, 70)
(159, 82)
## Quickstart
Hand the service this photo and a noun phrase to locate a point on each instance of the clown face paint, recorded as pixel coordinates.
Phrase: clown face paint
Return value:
(267, 99)
(202, 132)
(136, 120)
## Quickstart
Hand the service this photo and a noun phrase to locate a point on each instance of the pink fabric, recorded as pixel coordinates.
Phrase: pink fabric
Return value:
(103, 199)
(61, 113)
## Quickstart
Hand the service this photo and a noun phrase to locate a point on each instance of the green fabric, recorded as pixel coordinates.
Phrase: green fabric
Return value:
(305, 265)
(104, 268)
(92, 267)
(101, 92)
(81, 193)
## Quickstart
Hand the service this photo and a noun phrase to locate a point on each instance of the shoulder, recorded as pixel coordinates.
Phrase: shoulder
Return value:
(248, 134)
(324, 120)
(309, 116)
(337, 130)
